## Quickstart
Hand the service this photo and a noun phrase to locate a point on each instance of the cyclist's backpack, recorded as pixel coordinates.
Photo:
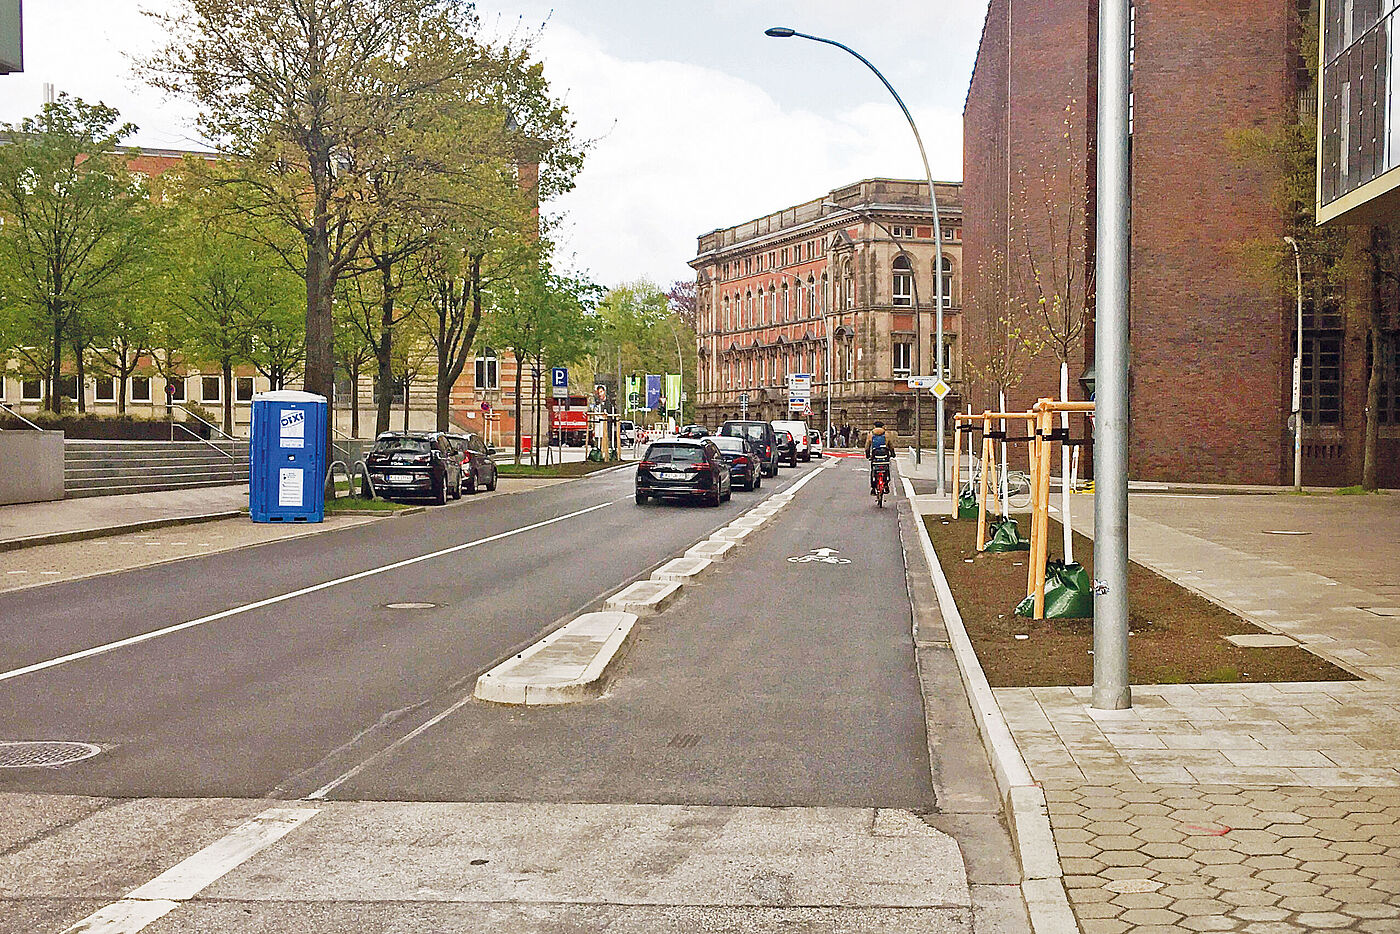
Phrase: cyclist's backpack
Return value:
(877, 444)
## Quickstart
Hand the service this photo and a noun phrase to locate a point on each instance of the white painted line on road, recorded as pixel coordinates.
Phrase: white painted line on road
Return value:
(190, 876)
(282, 598)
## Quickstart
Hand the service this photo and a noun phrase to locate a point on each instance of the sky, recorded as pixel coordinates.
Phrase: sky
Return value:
(696, 120)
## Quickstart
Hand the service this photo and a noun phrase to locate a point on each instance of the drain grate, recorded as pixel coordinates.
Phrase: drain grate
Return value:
(684, 741)
(32, 755)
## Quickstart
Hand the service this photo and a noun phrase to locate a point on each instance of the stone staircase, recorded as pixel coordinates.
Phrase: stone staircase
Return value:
(102, 468)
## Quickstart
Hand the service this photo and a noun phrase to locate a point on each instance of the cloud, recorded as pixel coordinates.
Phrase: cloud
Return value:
(681, 149)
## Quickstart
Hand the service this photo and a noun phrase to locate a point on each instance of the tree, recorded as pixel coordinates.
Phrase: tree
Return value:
(75, 226)
(683, 303)
(542, 315)
(1052, 224)
(341, 119)
(354, 352)
(1001, 335)
(308, 96)
(641, 331)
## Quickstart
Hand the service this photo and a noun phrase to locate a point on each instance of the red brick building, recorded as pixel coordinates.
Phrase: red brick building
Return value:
(1211, 341)
(849, 264)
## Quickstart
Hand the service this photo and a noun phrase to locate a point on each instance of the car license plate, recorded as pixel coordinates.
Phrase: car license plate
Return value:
(400, 479)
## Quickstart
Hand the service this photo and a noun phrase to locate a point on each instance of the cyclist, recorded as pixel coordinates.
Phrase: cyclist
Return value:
(879, 450)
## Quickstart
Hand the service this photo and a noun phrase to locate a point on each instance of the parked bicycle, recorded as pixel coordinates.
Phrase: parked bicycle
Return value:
(1018, 486)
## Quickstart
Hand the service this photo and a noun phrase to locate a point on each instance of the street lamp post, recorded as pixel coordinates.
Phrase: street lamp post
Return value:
(783, 32)
(1111, 688)
(1298, 372)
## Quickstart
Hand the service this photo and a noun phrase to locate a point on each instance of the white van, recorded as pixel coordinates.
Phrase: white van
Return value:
(798, 430)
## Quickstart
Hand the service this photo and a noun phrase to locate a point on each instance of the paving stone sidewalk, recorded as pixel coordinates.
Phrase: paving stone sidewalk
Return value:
(1258, 808)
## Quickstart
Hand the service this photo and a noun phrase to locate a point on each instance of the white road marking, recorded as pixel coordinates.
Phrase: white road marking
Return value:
(187, 878)
(282, 598)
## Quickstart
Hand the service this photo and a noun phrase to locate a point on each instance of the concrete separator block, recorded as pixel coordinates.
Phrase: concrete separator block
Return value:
(645, 597)
(565, 666)
(710, 550)
(730, 534)
(748, 521)
(683, 569)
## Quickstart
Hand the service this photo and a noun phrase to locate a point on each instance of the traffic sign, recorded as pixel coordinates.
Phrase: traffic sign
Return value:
(743, 398)
(559, 379)
(922, 382)
(485, 406)
(941, 389)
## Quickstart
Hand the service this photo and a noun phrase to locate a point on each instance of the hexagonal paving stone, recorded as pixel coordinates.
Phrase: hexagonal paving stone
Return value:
(1371, 911)
(1261, 913)
(1322, 920)
(1208, 922)
(1149, 916)
(1307, 903)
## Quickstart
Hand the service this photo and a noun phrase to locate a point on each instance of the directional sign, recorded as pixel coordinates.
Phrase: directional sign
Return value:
(559, 380)
(922, 382)
(941, 389)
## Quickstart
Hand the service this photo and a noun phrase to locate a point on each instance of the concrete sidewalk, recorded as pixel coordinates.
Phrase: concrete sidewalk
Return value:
(1240, 807)
(27, 524)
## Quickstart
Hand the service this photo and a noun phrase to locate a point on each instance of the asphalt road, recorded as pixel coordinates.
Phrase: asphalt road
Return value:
(774, 682)
(277, 698)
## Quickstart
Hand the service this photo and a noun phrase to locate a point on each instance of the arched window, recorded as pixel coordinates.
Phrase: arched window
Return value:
(848, 286)
(902, 282)
(811, 296)
(823, 294)
(728, 321)
(785, 302)
(947, 282)
(748, 310)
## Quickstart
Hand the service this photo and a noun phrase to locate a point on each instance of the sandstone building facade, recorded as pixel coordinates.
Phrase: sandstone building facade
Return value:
(847, 266)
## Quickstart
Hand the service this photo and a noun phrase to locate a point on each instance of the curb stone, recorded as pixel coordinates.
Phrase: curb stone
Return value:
(1042, 885)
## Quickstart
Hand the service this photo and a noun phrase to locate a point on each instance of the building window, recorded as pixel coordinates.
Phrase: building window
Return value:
(903, 355)
(105, 389)
(211, 389)
(786, 316)
(176, 383)
(1322, 379)
(243, 389)
(488, 371)
(785, 257)
(904, 421)
(903, 282)
(140, 389)
(68, 386)
(947, 282)
(31, 390)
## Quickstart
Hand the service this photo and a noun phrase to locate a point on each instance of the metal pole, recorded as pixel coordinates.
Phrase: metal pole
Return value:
(826, 326)
(1111, 689)
(1298, 372)
(782, 32)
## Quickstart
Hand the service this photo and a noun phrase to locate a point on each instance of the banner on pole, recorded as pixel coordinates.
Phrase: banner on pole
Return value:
(673, 391)
(653, 391)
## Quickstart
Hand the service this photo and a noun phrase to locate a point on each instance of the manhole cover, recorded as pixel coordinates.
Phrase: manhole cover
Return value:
(409, 606)
(41, 755)
(1133, 886)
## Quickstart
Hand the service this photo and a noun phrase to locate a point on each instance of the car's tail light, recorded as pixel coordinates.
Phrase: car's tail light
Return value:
(705, 468)
(741, 460)
(647, 464)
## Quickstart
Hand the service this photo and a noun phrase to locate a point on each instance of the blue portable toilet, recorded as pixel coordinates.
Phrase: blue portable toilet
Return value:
(287, 457)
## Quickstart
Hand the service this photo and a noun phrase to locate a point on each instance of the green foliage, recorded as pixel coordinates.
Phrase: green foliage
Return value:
(76, 229)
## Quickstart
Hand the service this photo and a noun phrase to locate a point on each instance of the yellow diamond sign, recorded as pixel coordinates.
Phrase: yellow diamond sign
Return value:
(941, 389)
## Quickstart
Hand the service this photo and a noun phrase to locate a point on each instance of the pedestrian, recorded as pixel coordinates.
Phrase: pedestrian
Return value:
(846, 436)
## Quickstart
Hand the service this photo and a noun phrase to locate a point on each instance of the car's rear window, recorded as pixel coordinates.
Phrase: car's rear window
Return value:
(752, 432)
(402, 445)
(730, 445)
(681, 455)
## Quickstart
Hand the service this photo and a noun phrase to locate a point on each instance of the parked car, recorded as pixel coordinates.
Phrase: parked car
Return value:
(787, 447)
(478, 461)
(694, 431)
(678, 468)
(814, 443)
(745, 466)
(628, 430)
(799, 431)
(414, 463)
(765, 440)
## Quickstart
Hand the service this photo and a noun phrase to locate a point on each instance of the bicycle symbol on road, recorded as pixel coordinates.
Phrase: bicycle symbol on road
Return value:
(824, 555)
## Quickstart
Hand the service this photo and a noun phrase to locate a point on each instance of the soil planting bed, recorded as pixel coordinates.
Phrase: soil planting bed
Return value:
(1175, 636)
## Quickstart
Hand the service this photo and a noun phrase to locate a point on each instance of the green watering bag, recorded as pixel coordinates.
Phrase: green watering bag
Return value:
(967, 505)
(1006, 537)
(1068, 593)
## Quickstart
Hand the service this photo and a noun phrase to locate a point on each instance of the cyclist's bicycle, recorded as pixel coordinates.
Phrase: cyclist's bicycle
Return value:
(881, 478)
(1018, 486)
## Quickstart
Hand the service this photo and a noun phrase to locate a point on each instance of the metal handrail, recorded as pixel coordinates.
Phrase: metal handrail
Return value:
(11, 409)
(194, 434)
(206, 422)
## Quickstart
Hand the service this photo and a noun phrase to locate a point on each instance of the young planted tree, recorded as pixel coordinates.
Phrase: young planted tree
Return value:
(75, 227)
(1001, 336)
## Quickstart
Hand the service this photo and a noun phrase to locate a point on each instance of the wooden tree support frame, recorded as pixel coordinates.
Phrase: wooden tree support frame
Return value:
(1042, 446)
